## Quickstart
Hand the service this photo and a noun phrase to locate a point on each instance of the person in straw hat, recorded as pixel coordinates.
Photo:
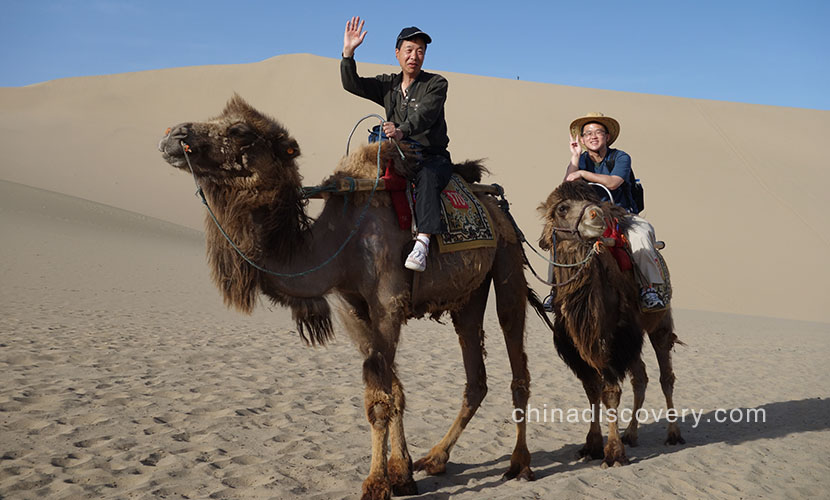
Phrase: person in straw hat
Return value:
(414, 103)
(610, 167)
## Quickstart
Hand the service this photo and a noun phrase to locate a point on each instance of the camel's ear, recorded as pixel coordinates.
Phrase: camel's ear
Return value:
(287, 149)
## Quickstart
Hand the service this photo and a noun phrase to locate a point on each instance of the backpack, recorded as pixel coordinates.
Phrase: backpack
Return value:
(637, 193)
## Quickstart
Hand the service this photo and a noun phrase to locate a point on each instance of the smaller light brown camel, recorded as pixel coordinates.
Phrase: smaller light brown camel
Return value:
(246, 163)
(598, 327)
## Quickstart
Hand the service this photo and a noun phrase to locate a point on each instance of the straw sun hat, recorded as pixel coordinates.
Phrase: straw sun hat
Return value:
(610, 124)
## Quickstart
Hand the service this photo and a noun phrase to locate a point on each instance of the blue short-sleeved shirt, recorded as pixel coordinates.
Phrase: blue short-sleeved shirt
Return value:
(616, 162)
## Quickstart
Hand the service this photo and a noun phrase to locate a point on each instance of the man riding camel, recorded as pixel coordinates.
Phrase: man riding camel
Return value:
(601, 164)
(414, 103)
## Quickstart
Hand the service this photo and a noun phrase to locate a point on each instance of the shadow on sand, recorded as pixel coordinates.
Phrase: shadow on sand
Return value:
(774, 420)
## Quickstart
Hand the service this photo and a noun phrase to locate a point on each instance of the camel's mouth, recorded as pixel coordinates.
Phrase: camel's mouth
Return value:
(174, 149)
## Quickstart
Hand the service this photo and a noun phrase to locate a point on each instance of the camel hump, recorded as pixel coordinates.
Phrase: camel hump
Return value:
(471, 170)
(363, 163)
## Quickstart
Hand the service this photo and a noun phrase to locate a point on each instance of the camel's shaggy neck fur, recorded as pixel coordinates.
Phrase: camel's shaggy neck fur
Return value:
(263, 212)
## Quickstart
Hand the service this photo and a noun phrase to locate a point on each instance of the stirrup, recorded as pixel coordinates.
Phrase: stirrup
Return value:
(547, 304)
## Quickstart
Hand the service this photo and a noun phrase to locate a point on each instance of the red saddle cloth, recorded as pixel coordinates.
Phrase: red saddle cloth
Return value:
(612, 230)
(396, 185)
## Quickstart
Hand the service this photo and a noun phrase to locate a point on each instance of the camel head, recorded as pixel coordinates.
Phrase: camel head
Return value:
(573, 211)
(241, 148)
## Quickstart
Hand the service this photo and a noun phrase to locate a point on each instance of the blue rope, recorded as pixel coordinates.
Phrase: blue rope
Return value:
(328, 261)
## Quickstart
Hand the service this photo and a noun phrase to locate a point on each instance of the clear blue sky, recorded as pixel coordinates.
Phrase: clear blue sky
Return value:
(762, 51)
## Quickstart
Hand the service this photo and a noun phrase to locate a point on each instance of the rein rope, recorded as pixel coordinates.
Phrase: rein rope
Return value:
(505, 207)
(305, 192)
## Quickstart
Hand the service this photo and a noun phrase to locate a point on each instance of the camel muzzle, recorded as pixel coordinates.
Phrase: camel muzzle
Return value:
(173, 144)
(592, 223)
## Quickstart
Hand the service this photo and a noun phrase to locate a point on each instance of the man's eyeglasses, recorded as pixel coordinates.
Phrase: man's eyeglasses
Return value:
(594, 133)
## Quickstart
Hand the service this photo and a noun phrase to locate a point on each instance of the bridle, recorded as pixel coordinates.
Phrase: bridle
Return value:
(594, 250)
(571, 230)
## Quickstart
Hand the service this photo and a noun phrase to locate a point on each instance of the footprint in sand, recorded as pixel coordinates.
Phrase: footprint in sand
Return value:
(89, 443)
(153, 459)
(71, 460)
(13, 454)
(32, 482)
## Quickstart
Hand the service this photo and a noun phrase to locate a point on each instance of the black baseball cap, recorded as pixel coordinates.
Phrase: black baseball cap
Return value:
(409, 33)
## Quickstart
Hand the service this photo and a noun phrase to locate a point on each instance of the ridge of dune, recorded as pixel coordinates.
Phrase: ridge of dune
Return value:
(727, 185)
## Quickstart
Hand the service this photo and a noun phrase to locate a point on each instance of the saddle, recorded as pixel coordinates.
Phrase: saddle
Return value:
(621, 250)
(466, 219)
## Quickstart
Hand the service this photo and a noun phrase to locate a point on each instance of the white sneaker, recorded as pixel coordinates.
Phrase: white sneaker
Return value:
(650, 299)
(417, 260)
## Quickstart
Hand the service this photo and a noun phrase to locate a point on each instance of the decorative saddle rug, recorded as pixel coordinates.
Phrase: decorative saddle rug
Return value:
(467, 220)
(621, 252)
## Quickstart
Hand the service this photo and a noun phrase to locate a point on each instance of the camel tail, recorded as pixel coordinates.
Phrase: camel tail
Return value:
(537, 305)
(313, 319)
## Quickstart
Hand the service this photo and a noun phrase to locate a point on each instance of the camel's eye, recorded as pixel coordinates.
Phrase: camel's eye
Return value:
(562, 209)
(241, 131)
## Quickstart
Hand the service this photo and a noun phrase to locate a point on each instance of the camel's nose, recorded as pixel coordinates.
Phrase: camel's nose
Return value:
(179, 132)
(594, 213)
(174, 134)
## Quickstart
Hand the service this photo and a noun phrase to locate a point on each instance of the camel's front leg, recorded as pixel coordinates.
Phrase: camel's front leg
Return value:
(639, 381)
(468, 322)
(614, 449)
(379, 404)
(400, 463)
(592, 449)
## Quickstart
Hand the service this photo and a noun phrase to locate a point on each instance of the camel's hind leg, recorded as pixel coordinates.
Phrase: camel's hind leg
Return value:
(663, 338)
(639, 381)
(511, 305)
(468, 325)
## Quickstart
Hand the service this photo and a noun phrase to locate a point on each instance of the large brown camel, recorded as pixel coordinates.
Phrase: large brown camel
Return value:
(246, 164)
(598, 326)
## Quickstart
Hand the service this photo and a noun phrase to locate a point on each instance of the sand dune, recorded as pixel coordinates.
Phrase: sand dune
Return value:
(124, 376)
(732, 188)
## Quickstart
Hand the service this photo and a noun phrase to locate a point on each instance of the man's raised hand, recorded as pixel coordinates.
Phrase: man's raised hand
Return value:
(353, 36)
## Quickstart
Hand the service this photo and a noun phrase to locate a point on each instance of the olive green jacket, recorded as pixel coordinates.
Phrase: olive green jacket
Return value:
(419, 114)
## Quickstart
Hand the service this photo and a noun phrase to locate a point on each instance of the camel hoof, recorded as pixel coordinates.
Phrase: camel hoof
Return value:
(520, 473)
(588, 453)
(630, 440)
(431, 465)
(615, 462)
(376, 488)
(405, 489)
(400, 476)
(674, 438)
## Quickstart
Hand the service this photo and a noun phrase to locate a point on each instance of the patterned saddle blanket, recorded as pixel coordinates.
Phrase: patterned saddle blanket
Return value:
(466, 219)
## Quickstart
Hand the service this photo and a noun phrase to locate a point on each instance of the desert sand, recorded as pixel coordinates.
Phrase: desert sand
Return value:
(124, 376)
